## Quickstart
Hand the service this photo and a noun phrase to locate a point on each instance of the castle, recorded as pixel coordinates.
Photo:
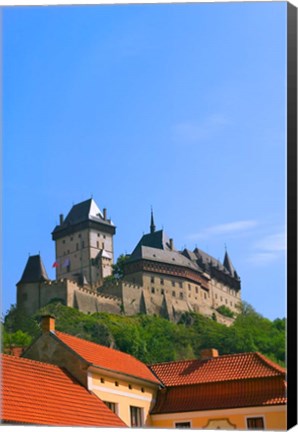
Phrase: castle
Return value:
(158, 279)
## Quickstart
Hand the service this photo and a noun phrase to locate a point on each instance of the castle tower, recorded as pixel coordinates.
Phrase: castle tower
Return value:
(84, 244)
(29, 286)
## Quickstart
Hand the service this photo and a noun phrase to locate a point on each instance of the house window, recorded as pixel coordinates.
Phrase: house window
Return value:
(182, 425)
(152, 279)
(130, 386)
(153, 290)
(173, 293)
(136, 416)
(97, 244)
(255, 423)
(102, 380)
(161, 281)
(173, 283)
(197, 290)
(77, 246)
(112, 406)
(116, 384)
(162, 291)
(189, 287)
(180, 284)
(181, 295)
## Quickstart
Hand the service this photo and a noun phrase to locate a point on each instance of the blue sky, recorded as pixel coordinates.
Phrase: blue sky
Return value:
(178, 106)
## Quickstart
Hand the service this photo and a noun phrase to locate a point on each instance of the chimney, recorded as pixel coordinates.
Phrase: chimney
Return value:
(48, 323)
(171, 244)
(105, 214)
(61, 219)
(209, 353)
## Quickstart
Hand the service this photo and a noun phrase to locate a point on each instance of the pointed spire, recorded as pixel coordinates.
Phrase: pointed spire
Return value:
(34, 271)
(152, 226)
(228, 263)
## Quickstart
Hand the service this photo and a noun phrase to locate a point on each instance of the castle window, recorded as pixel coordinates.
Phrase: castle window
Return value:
(116, 384)
(181, 295)
(25, 296)
(130, 386)
(180, 284)
(189, 287)
(97, 244)
(63, 241)
(153, 290)
(79, 236)
(197, 290)
(161, 281)
(102, 380)
(83, 243)
(216, 296)
(152, 279)
(104, 236)
(98, 235)
(226, 301)
(103, 245)
(173, 283)
(173, 294)
(205, 295)
(77, 246)
(220, 298)
(142, 390)
(162, 291)
(71, 238)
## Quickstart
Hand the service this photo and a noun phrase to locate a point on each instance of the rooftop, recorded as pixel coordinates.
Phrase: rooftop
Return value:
(227, 381)
(223, 368)
(43, 394)
(108, 358)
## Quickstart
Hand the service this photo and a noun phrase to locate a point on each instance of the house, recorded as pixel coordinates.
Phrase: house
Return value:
(237, 391)
(126, 385)
(35, 393)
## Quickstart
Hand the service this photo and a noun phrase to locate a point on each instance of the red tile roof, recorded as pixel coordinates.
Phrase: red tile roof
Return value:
(222, 368)
(221, 395)
(108, 358)
(43, 394)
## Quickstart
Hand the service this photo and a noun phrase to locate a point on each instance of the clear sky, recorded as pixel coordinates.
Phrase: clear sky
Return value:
(178, 106)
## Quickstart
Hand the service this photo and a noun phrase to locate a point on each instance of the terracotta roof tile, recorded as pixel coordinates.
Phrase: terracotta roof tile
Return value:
(43, 394)
(221, 395)
(222, 368)
(108, 358)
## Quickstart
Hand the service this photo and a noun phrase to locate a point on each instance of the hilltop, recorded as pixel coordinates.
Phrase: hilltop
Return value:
(154, 339)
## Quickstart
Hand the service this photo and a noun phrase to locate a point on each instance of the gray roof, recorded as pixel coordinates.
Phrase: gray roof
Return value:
(156, 239)
(34, 271)
(164, 256)
(86, 210)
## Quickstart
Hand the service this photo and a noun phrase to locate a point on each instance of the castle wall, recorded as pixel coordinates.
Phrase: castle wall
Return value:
(29, 297)
(74, 247)
(224, 296)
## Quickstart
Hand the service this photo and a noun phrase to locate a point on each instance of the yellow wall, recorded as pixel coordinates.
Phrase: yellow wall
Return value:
(274, 418)
(140, 394)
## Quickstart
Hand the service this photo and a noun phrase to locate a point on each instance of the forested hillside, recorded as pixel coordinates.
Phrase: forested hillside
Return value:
(153, 339)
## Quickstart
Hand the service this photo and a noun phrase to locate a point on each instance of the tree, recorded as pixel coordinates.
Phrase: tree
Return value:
(118, 268)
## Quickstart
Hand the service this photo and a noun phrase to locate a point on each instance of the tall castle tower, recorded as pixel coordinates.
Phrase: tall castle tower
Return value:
(84, 244)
